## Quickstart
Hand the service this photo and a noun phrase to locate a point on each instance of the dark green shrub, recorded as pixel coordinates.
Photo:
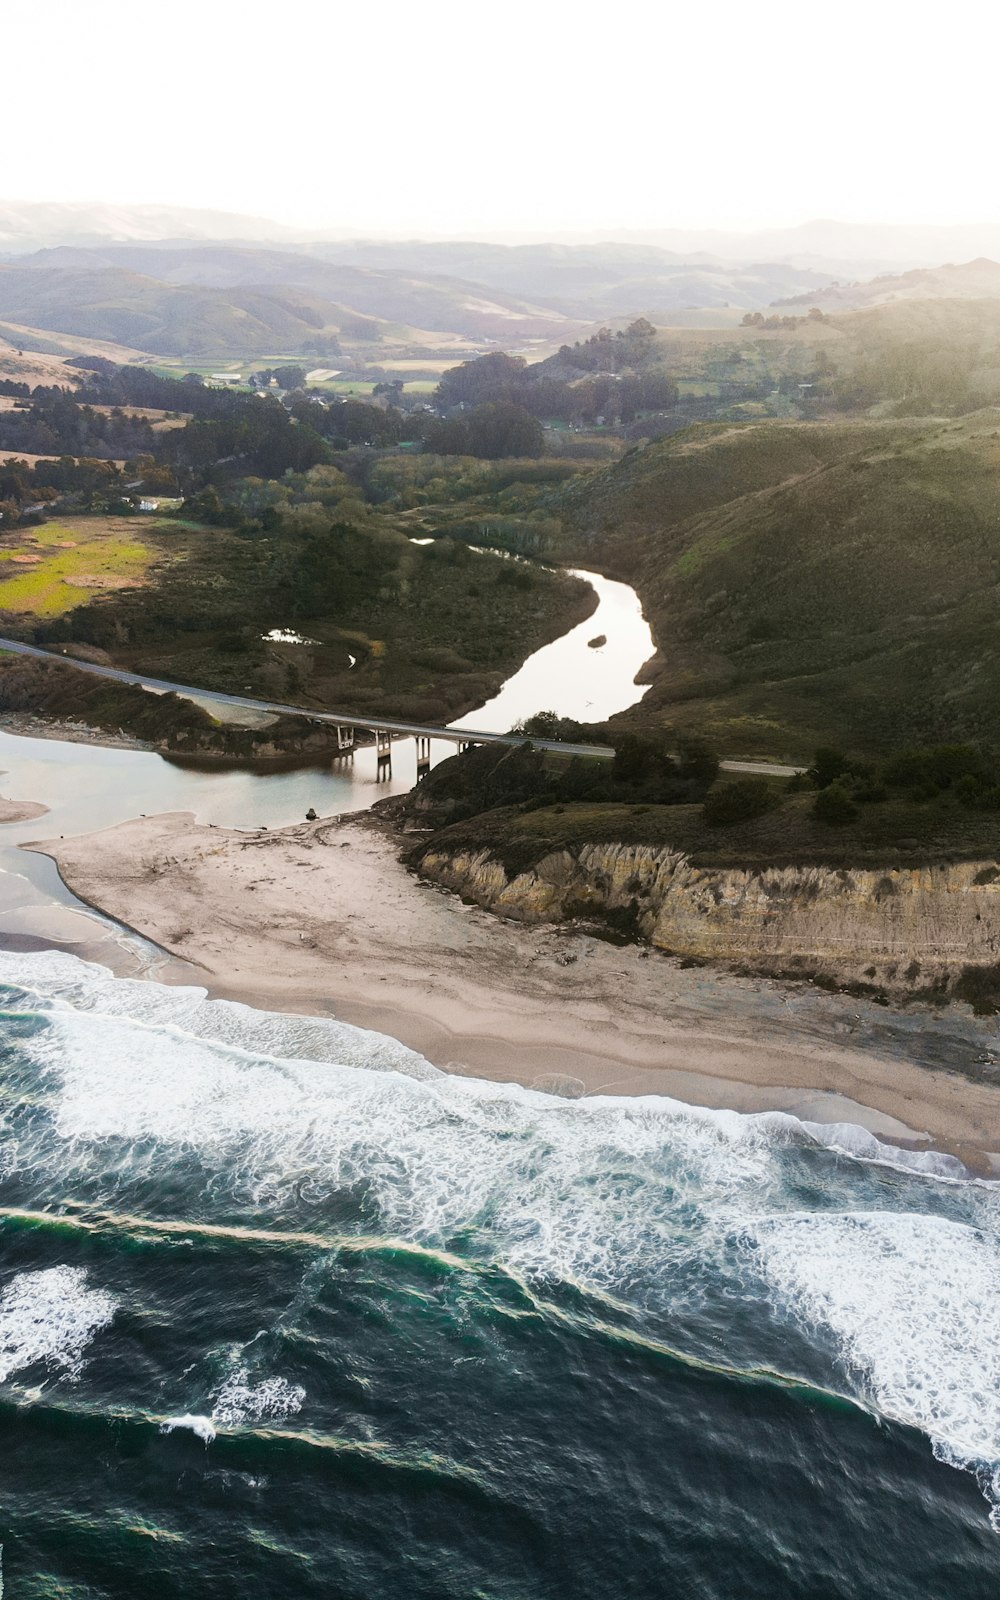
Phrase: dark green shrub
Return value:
(834, 806)
(828, 765)
(696, 760)
(740, 801)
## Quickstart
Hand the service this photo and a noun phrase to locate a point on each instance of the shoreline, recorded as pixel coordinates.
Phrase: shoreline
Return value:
(344, 929)
(26, 725)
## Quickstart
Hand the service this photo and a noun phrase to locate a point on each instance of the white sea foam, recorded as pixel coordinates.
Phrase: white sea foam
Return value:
(50, 1316)
(589, 1189)
(60, 981)
(852, 1140)
(240, 1402)
(912, 1303)
(201, 1426)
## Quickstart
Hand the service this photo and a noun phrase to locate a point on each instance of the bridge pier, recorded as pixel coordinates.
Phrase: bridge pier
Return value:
(423, 755)
(345, 743)
(383, 755)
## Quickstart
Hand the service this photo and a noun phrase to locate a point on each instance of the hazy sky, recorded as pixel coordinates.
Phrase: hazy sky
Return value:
(534, 115)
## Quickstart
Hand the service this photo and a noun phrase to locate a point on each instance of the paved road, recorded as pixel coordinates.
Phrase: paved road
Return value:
(350, 719)
(763, 769)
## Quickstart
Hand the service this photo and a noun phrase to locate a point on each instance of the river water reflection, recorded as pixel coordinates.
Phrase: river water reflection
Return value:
(568, 676)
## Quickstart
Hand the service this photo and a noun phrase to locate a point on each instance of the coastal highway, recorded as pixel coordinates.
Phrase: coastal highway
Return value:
(351, 719)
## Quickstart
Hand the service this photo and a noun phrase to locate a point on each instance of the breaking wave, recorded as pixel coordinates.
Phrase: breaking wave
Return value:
(882, 1266)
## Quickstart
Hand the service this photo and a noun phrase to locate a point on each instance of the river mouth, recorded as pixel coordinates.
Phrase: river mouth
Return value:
(88, 787)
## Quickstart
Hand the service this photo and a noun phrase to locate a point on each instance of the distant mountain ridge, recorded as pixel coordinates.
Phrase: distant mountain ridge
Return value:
(824, 245)
(973, 280)
(471, 289)
(204, 284)
(226, 302)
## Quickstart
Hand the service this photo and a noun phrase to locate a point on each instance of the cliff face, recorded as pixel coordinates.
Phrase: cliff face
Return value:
(904, 930)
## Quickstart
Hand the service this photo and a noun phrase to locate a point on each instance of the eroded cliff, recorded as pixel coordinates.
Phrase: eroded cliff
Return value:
(905, 930)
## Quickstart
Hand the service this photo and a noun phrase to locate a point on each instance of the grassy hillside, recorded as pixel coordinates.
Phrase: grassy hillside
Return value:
(130, 309)
(973, 280)
(225, 302)
(810, 583)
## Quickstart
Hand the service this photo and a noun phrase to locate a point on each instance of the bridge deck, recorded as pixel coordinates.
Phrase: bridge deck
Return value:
(342, 719)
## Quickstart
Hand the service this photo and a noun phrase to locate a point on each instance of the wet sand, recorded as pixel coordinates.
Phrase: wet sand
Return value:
(323, 918)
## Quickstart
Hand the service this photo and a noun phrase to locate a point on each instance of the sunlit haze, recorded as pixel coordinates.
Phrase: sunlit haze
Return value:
(533, 119)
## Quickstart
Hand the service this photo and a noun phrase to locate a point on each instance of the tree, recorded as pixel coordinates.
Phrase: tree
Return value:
(498, 430)
(290, 377)
(492, 377)
(697, 760)
(828, 765)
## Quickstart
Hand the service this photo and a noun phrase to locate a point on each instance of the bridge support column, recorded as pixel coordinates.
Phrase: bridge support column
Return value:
(423, 755)
(383, 754)
(345, 744)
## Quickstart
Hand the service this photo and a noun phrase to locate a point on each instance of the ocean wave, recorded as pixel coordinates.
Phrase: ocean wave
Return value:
(656, 1202)
(590, 1189)
(241, 1402)
(191, 1422)
(912, 1303)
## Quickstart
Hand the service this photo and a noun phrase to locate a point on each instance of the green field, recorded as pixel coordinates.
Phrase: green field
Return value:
(65, 564)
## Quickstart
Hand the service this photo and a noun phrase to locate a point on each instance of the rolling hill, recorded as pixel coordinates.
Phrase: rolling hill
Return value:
(230, 302)
(811, 583)
(973, 280)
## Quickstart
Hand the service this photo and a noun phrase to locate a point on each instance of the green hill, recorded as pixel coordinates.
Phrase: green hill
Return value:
(812, 583)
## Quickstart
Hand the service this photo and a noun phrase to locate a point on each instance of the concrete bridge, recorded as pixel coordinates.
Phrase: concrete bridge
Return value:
(347, 723)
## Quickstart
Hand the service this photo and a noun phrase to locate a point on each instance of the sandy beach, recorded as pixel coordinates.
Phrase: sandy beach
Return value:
(323, 918)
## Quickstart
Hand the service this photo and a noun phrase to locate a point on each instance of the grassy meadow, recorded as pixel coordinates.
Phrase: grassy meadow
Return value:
(51, 570)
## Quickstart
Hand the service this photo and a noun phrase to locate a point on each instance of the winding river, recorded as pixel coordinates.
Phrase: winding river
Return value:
(573, 677)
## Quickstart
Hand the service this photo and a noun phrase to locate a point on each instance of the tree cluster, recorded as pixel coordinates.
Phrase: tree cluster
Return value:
(56, 424)
(962, 774)
(642, 772)
(757, 319)
(602, 377)
(493, 431)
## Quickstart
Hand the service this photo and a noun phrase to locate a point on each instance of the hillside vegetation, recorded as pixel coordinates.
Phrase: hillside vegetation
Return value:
(312, 611)
(811, 583)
